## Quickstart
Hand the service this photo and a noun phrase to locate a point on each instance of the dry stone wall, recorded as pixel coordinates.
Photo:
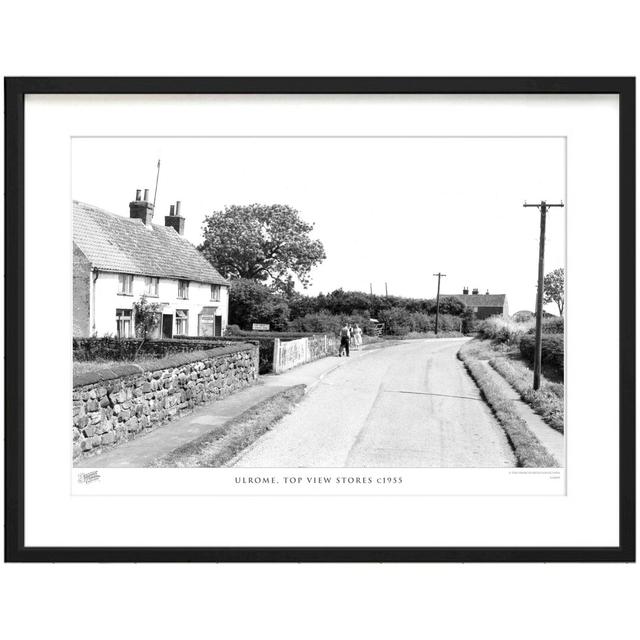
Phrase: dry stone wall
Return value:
(113, 406)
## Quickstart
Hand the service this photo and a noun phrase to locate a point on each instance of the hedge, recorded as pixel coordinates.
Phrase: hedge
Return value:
(551, 325)
(552, 349)
(89, 349)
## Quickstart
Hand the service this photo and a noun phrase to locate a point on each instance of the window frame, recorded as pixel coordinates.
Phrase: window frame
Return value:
(123, 278)
(149, 280)
(183, 284)
(124, 317)
(180, 320)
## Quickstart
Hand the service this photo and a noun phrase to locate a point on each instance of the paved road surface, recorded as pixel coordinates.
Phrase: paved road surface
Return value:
(411, 405)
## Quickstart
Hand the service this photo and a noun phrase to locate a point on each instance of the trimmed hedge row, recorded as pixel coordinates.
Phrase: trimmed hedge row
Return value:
(551, 325)
(88, 349)
(552, 349)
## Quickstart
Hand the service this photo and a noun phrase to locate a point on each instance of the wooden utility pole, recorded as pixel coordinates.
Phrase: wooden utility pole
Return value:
(440, 275)
(537, 357)
(386, 291)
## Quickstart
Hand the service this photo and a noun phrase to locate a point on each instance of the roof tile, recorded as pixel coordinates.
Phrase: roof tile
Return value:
(124, 245)
(480, 300)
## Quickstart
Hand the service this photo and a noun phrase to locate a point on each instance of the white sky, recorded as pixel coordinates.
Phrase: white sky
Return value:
(392, 210)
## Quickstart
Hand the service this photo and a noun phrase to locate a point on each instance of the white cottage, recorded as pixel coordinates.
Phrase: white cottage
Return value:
(116, 260)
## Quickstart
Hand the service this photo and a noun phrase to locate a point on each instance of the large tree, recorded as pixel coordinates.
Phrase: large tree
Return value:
(553, 286)
(261, 242)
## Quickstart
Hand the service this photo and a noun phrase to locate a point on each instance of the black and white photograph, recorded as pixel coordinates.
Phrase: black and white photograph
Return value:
(319, 302)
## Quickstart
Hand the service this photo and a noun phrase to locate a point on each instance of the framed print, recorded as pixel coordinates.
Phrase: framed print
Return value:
(320, 319)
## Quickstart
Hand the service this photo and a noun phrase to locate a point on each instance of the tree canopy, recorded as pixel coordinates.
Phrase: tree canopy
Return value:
(553, 287)
(251, 301)
(261, 242)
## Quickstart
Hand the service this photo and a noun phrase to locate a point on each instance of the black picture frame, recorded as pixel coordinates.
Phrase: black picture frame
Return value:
(15, 91)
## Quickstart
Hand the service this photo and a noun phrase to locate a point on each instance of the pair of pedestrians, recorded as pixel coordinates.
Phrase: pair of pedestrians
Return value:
(349, 334)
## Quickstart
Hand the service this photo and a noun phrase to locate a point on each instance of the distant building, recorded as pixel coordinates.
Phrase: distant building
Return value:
(116, 260)
(484, 305)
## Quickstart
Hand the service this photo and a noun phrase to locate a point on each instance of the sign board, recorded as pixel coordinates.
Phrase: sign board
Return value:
(256, 326)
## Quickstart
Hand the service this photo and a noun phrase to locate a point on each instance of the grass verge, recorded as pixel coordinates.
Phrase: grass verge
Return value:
(220, 445)
(528, 450)
(547, 402)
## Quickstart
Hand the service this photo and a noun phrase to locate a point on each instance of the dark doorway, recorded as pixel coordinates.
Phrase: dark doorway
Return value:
(218, 325)
(167, 325)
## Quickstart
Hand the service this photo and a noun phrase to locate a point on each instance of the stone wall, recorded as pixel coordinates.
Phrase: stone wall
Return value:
(114, 405)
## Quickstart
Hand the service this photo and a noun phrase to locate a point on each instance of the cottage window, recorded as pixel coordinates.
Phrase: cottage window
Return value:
(215, 293)
(124, 323)
(182, 322)
(125, 283)
(183, 289)
(151, 286)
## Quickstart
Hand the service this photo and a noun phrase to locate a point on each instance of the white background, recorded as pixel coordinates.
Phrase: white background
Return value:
(372, 38)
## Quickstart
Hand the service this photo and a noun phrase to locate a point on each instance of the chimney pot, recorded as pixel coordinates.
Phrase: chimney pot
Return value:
(174, 219)
(146, 195)
(141, 209)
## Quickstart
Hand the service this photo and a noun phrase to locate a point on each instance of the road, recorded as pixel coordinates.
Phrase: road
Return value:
(410, 405)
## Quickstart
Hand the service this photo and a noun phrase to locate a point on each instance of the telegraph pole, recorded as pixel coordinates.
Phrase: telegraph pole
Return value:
(537, 358)
(439, 275)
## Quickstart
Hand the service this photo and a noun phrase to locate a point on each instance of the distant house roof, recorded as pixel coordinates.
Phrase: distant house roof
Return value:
(479, 300)
(124, 245)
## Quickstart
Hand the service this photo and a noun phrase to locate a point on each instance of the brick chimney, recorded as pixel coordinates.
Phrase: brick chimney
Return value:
(465, 291)
(475, 292)
(174, 219)
(141, 208)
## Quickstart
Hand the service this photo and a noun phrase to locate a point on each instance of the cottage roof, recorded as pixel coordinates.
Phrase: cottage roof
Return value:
(125, 245)
(479, 300)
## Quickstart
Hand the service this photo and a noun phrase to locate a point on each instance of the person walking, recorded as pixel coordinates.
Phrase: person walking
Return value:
(345, 335)
(357, 331)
